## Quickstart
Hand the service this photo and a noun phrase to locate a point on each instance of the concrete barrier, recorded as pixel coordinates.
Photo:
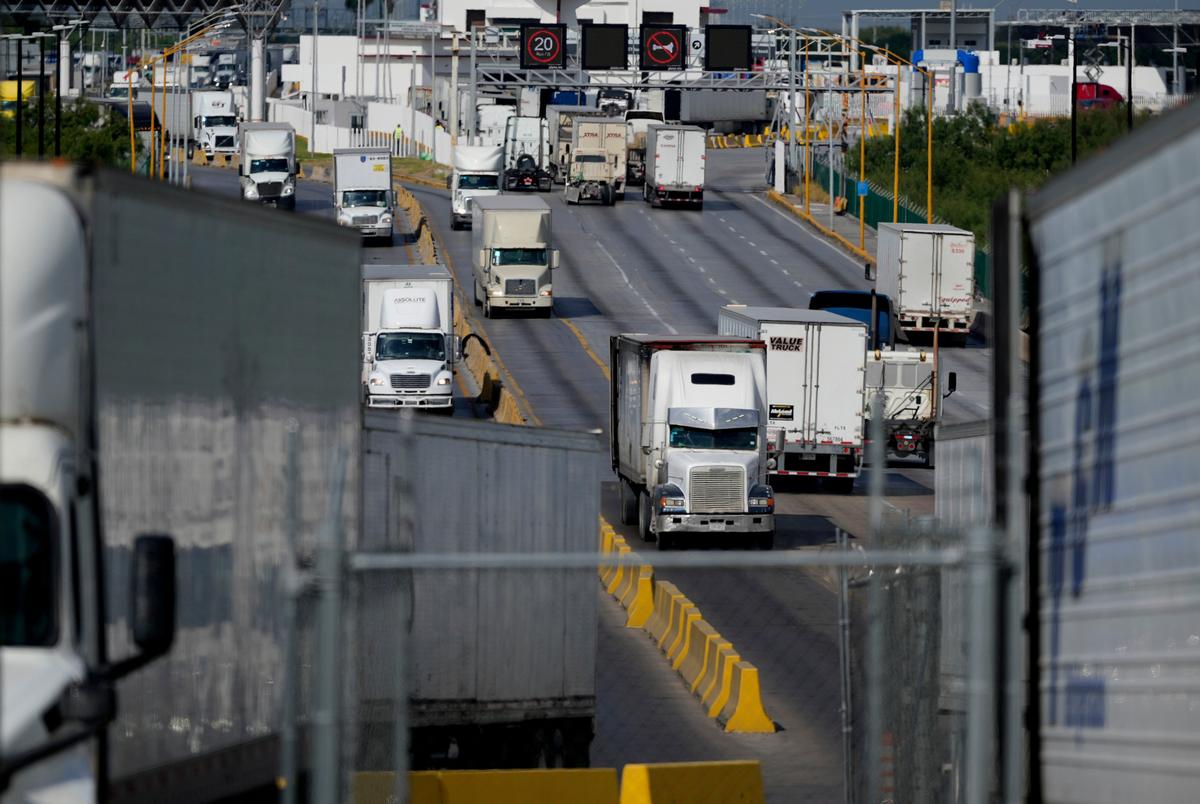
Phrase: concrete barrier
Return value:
(628, 583)
(708, 673)
(718, 693)
(680, 630)
(690, 662)
(657, 625)
(579, 786)
(668, 783)
(379, 787)
(674, 615)
(803, 215)
(743, 710)
(642, 604)
(619, 575)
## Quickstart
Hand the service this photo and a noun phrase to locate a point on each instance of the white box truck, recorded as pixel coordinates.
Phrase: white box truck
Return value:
(596, 170)
(491, 119)
(815, 372)
(527, 154)
(687, 434)
(675, 157)
(267, 167)
(214, 123)
(928, 270)
(639, 121)
(476, 174)
(109, 434)
(362, 191)
(409, 345)
(513, 254)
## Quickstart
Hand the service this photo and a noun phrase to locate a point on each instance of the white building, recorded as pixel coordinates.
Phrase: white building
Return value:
(462, 14)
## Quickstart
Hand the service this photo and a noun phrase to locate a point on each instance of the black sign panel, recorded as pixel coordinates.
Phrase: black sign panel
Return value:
(664, 47)
(783, 412)
(727, 48)
(604, 47)
(543, 47)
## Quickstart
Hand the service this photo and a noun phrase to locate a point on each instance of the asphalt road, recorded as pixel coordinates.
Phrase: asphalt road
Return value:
(630, 268)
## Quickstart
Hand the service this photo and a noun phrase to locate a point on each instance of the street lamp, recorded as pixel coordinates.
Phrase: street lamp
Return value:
(63, 65)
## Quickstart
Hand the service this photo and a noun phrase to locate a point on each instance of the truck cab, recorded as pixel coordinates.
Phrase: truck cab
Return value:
(688, 437)
(476, 175)
(513, 255)
(362, 190)
(267, 169)
(214, 122)
(409, 346)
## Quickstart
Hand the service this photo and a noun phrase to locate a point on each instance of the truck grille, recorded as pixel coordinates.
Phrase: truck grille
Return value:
(519, 287)
(224, 142)
(408, 382)
(359, 220)
(717, 489)
(270, 189)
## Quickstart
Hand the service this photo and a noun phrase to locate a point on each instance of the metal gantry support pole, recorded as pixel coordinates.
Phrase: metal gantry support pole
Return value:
(41, 96)
(20, 95)
(454, 99)
(793, 117)
(896, 140)
(473, 111)
(981, 664)
(807, 137)
(312, 95)
(847, 677)
(829, 140)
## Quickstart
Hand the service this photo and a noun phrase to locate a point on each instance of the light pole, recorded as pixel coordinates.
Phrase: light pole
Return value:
(64, 71)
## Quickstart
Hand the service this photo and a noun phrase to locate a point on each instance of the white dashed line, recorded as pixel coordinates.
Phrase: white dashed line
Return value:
(629, 284)
(701, 267)
(710, 279)
(723, 293)
(691, 259)
(800, 225)
(798, 284)
(760, 251)
(751, 244)
(776, 262)
(722, 220)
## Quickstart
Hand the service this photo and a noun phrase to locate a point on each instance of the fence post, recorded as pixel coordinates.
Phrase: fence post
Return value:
(981, 663)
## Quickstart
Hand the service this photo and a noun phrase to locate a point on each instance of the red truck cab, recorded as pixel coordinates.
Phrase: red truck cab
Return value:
(1091, 95)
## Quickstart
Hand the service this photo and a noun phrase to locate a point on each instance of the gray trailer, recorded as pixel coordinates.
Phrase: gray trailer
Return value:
(195, 423)
(501, 662)
(716, 106)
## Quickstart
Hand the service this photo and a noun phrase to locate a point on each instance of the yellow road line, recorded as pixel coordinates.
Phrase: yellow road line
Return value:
(586, 347)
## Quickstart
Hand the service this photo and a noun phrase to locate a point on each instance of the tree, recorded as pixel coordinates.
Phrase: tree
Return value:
(90, 132)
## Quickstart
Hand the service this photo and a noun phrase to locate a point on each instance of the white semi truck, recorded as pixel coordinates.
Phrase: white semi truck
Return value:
(267, 169)
(596, 169)
(687, 436)
(560, 125)
(214, 123)
(491, 120)
(639, 121)
(928, 271)
(409, 345)
(513, 254)
(362, 191)
(527, 154)
(675, 157)
(109, 439)
(815, 372)
(476, 175)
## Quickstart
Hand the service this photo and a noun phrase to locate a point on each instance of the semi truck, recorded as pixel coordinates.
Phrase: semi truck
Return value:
(267, 168)
(928, 271)
(491, 122)
(362, 191)
(214, 123)
(596, 170)
(560, 126)
(639, 121)
(409, 346)
(476, 174)
(816, 365)
(687, 437)
(513, 254)
(527, 154)
(116, 445)
(675, 157)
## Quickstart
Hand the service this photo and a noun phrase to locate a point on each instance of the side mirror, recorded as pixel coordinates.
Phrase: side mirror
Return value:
(481, 257)
(366, 347)
(951, 383)
(554, 259)
(457, 348)
(152, 596)
(449, 182)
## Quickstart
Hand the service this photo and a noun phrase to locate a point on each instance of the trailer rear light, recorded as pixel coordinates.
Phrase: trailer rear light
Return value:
(697, 189)
(662, 189)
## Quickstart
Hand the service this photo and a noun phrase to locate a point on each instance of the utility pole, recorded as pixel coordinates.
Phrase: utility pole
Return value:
(41, 95)
(793, 117)
(1074, 100)
(1175, 82)
(312, 142)
(20, 93)
(951, 108)
(454, 99)
(474, 86)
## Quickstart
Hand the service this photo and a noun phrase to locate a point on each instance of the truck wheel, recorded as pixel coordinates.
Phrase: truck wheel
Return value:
(475, 288)
(191, 150)
(453, 224)
(928, 457)
(487, 308)
(629, 500)
(645, 514)
(840, 485)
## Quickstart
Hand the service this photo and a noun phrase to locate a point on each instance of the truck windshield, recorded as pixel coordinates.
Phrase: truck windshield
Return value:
(365, 198)
(279, 165)
(28, 613)
(479, 182)
(410, 346)
(518, 256)
(214, 120)
(696, 438)
(632, 115)
(590, 158)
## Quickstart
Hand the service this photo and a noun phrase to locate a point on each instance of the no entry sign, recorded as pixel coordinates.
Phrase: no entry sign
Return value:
(664, 47)
(543, 47)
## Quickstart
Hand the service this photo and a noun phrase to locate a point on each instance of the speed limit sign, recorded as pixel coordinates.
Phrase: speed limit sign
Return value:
(543, 47)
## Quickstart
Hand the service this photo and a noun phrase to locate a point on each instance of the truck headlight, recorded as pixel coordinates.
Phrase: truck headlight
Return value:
(343, 220)
(670, 500)
(385, 219)
(252, 191)
(377, 380)
(762, 500)
(443, 380)
(288, 189)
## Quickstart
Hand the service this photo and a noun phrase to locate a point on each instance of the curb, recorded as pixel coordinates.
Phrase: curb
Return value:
(778, 199)
(403, 177)
(707, 664)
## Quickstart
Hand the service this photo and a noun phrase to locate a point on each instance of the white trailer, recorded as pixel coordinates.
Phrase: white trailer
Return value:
(267, 168)
(214, 123)
(362, 191)
(928, 271)
(490, 122)
(476, 175)
(815, 373)
(596, 170)
(687, 436)
(560, 126)
(527, 154)
(1115, 442)
(409, 345)
(675, 157)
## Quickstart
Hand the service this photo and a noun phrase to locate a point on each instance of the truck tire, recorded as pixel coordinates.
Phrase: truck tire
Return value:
(644, 516)
(928, 457)
(475, 289)
(454, 224)
(487, 308)
(629, 500)
(840, 485)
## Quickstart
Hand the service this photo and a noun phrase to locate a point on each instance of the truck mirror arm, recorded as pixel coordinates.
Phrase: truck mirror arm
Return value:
(13, 765)
(487, 349)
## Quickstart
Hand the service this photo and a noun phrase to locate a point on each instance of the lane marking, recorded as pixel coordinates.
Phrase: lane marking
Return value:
(798, 283)
(629, 284)
(776, 262)
(701, 269)
(760, 251)
(579, 336)
(752, 244)
(691, 259)
(799, 224)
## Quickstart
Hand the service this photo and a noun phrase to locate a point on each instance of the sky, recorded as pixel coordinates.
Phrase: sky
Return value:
(827, 12)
